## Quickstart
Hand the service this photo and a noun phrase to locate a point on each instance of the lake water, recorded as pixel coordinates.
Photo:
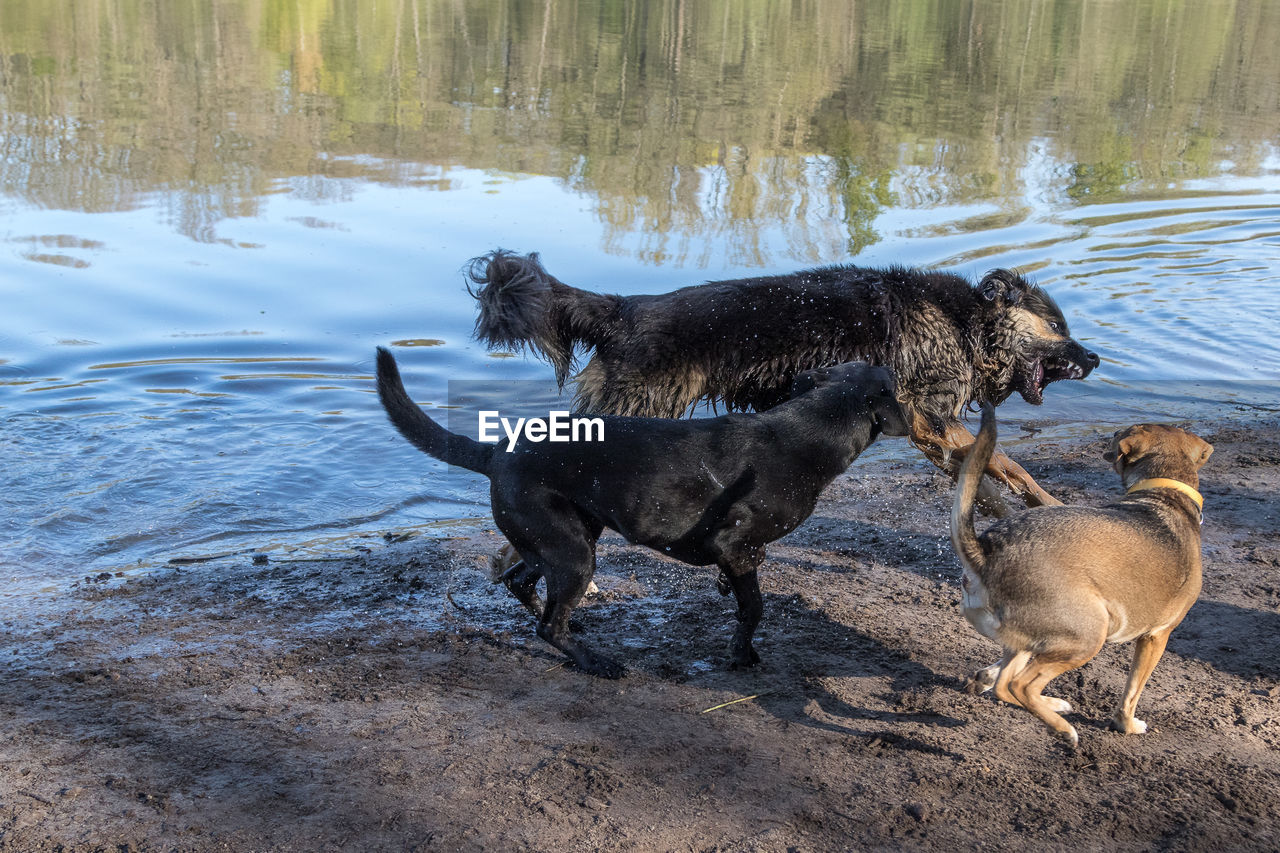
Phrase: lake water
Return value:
(211, 213)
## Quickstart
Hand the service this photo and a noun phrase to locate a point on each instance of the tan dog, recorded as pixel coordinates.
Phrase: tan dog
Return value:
(1052, 585)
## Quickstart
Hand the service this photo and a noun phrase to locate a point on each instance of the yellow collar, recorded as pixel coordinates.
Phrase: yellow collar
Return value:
(1166, 483)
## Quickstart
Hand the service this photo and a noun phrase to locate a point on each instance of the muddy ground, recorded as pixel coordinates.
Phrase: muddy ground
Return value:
(397, 700)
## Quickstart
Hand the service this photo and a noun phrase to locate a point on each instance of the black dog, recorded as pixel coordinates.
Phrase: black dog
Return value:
(948, 343)
(704, 491)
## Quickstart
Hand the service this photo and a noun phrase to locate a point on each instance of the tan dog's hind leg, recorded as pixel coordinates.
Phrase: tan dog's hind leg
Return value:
(1010, 665)
(1028, 685)
(984, 679)
(1046, 666)
(1146, 654)
(1062, 706)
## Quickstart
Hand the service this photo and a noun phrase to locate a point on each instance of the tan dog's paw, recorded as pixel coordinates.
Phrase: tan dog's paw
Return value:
(982, 680)
(1131, 726)
(1059, 706)
(508, 557)
(1070, 737)
(501, 561)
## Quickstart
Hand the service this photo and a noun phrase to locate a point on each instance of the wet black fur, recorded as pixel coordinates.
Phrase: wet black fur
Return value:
(741, 342)
(704, 491)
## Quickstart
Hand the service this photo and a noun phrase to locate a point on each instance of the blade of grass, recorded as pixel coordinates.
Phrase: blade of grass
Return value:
(734, 702)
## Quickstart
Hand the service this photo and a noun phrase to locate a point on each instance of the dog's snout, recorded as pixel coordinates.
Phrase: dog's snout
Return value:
(1092, 358)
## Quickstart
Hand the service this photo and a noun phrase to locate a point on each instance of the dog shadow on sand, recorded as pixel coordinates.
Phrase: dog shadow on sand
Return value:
(665, 620)
(1233, 639)
(822, 666)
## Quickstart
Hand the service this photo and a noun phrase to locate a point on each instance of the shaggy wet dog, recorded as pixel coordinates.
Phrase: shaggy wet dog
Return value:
(707, 491)
(741, 343)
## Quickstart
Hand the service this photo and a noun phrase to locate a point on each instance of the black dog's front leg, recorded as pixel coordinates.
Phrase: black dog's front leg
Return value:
(746, 589)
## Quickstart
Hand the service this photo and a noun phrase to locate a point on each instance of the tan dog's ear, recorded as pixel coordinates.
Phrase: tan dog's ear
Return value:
(1128, 443)
(1206, 450)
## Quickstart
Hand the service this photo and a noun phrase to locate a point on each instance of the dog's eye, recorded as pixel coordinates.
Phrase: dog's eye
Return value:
(1055, 327)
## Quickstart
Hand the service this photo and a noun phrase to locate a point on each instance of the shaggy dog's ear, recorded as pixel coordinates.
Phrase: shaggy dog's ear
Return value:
(1002, 284)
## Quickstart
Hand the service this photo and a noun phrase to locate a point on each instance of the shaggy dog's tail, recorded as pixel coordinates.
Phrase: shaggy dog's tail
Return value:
(522, 305)
(963, 537)
(422, 432)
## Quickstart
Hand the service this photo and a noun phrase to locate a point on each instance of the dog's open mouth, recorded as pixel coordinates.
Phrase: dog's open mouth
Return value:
(1043, 371)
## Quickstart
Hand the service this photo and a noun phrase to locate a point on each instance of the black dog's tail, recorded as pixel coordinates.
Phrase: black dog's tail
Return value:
(963, 537)
(522, 305)
(424, 433)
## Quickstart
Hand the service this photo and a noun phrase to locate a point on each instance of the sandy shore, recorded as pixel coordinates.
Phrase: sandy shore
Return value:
(398, 700)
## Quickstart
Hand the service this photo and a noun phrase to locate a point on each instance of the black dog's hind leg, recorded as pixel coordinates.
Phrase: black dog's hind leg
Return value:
(565, 588)
(564, 554)
(742, 574)
(522, 582)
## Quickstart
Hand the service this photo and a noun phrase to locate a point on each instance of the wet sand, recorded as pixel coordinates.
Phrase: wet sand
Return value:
(398, 700)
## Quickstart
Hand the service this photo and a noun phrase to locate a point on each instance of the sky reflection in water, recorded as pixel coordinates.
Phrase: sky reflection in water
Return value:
(210, 215)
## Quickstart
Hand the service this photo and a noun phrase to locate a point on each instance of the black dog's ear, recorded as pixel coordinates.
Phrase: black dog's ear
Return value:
(891, 416)
(808, 380)
(885, 407)
(1002, 284)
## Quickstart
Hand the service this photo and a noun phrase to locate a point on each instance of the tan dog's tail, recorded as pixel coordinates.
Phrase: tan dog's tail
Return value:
(963, 537)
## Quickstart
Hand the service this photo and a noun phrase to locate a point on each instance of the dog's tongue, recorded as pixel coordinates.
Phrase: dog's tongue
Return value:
(1034, 391)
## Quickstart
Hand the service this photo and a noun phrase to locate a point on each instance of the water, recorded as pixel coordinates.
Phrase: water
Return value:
(211, 213)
